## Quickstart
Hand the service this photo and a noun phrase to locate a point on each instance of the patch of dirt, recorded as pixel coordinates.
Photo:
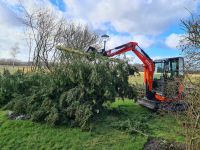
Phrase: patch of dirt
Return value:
(160, 144)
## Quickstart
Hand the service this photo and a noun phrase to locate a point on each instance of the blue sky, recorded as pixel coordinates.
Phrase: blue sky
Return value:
(154, 24)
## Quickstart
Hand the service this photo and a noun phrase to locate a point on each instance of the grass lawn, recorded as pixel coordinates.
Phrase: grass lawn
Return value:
(17, 134)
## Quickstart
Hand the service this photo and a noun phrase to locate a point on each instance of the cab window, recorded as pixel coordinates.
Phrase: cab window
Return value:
(159, 69)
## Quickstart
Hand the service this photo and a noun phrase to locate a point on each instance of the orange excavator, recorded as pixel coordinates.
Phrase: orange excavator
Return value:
(162, 78)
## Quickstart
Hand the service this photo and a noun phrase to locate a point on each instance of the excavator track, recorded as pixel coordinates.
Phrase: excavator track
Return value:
(153, 105)
(163, 106)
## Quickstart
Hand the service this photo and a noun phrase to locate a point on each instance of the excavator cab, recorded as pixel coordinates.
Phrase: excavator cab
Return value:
(167, 76)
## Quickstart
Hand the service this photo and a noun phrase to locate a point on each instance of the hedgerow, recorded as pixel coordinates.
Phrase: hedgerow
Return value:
(73, 93)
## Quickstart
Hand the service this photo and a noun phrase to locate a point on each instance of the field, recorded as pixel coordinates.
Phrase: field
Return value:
(16, 134)
(137, 79)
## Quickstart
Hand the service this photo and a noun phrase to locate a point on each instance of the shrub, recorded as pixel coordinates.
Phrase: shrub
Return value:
(73, 93)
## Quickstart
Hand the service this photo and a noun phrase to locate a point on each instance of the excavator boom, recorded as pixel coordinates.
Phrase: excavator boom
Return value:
(153, 96)
(147, 61)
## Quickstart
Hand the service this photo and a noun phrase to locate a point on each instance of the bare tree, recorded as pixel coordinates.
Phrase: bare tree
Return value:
(77, 36)
(29, 42)
(14, 51)
(48, 30)
(190, 45)
(191, 42)
(45, 29)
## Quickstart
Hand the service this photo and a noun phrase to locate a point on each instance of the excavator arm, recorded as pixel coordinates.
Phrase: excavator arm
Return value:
(147, 61)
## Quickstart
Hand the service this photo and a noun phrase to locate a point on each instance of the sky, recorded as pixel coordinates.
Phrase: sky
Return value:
(154, 24)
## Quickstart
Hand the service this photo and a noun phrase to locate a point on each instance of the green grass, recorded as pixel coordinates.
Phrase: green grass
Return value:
(16, 134)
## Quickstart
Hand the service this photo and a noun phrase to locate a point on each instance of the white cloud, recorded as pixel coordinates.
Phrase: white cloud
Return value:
(146, 17)
(143, 41)
(173, 40)
(157, 57)
(117, 40)
(130, 57)
(12, 30)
